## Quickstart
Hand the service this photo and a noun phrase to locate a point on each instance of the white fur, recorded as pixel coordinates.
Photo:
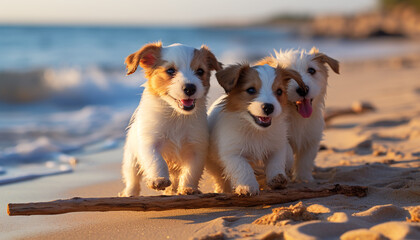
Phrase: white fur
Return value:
(236, 141)
(305, 134)
(165, 145)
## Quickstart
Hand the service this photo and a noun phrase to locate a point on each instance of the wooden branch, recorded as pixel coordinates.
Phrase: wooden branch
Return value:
(164, 202)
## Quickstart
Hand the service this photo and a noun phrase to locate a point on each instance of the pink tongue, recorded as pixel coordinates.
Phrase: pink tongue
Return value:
(304, 108)
(187, 102)
(264, 119)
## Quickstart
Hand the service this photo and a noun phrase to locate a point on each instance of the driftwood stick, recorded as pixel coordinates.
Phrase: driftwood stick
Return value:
(164, 202)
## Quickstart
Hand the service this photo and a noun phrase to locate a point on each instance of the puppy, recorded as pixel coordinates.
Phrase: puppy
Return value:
(306, 105)
(249, 126)
(167, 137)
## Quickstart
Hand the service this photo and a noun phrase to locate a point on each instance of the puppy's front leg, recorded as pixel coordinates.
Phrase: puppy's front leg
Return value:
(275, 169)
(242, 175)
(154, 166)
(192, 169)
(131, 174)
(304, 163)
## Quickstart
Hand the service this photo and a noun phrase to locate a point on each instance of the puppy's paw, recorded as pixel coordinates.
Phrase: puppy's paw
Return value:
(130, 192)
(303, 178)
(159, 183)
(278, 182)
(246, 190)
(188, 191)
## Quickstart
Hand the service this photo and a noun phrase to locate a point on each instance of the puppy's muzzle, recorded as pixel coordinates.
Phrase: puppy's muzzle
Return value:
(268, 108)
(189, 89)
(302, 92)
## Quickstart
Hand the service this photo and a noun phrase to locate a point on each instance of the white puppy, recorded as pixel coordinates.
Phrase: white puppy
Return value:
(168, 132)
(306, 105)
(249, 126)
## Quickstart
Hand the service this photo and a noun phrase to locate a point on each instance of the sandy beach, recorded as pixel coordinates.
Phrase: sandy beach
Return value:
(379, 149)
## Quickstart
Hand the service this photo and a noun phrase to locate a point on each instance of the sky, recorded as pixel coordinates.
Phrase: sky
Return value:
(167, 12)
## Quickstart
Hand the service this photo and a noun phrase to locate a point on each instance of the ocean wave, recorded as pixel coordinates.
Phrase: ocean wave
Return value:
(50, 144)
(64, 132)
(68, 86)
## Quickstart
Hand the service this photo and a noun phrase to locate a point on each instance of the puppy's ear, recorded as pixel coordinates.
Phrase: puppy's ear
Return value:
(211, 59)
(322, 58)
(146, 57)
(270, 61)
(288, 74)
(228, 77)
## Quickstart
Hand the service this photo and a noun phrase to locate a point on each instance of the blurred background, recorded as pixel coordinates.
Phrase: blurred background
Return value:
(63, 89)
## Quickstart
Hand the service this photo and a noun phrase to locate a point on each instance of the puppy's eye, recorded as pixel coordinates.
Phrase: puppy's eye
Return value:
(311, 71)
(171, 71)
(279, 92)
(251, 90)
(199, 72)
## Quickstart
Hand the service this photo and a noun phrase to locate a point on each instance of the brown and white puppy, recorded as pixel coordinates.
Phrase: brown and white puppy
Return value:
(167, 137)
(306, 105)
(249, 125)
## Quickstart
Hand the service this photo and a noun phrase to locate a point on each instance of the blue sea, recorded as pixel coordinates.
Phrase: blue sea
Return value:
(64, 93)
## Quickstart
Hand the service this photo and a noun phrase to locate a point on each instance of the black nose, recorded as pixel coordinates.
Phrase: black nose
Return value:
(302, 92)
(268, 108)
(189, 89)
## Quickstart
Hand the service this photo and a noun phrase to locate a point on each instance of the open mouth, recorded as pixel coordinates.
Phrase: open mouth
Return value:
(304, 107)
(261, 121)
(186, 104)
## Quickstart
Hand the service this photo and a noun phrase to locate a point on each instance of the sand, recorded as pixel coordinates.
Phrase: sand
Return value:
(380, 149)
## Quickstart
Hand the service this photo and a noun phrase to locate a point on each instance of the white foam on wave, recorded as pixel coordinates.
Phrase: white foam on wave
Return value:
(59, 139)
(64, 132)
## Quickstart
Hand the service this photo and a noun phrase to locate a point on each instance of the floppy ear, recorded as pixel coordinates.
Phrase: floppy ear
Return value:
(335, 66)
(228, 77)
(270, 61)
(288, 74)
(211, 59)
(146, 57)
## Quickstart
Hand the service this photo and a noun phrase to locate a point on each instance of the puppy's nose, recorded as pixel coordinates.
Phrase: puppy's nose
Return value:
(268, 108)
(302, 92)
(189, 89)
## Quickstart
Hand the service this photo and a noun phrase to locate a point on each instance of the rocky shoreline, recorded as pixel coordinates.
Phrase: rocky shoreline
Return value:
(401, 22)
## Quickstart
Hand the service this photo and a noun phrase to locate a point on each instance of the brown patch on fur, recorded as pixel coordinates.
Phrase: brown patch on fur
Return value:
(322, 58)
(158, 80)
(147, 57)
(211, 59)
(229, 76)
(236, 79)
(205, 59)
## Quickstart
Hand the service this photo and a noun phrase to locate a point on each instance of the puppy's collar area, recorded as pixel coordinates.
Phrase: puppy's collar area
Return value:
(261, 121)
